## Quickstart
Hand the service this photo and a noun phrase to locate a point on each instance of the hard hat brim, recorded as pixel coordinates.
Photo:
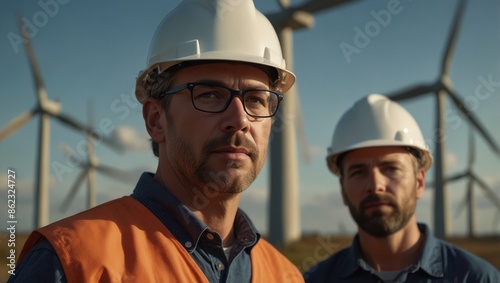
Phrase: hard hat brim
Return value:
(332, 157)
(286, 78)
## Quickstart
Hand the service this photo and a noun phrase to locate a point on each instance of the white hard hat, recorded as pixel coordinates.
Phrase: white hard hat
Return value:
(214, 30)
(374, 121)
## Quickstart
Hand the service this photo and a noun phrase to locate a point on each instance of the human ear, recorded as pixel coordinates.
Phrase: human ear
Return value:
(152, 111)
(420, 178)
(342, 191)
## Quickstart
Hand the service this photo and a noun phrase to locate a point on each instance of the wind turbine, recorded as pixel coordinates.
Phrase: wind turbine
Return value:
(472, 178)
(442, 88)
(45, 108)
(89, 169)
(284, 212)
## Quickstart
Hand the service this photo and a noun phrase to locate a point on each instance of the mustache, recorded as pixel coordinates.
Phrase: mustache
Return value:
(236, 140)
(377, 198)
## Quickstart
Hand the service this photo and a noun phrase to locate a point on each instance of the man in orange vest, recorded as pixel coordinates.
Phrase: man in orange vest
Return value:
(215, 79)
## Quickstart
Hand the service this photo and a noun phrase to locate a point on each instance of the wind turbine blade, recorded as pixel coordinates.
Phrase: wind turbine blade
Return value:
(487, 190)
(450, 179)
(411, 92)
(116, 174)
(71, 122)
(71, 154)
(35, 70)
(472, 119)
(461, 206)
(301, 16)
(90, 142)
(90, 112)
(314, 6)
(299, 120)
(88, 131)
(65, 149)
(452, 38)
(470, 200)
(16, 124)
(472, 149)
(457, 177)
(72, 193)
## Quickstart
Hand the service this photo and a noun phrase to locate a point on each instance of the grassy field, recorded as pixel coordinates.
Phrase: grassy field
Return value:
(313, 248)
(309, 250)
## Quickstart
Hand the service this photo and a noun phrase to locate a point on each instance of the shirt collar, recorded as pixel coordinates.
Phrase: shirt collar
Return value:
(353, 260)
(186, 227)
(430, 261)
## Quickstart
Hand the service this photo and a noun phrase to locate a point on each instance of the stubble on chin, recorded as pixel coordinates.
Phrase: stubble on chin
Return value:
(237, 175)
(382, 223)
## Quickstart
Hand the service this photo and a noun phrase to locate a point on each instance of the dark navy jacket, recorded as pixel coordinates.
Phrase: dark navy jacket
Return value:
(440, 262)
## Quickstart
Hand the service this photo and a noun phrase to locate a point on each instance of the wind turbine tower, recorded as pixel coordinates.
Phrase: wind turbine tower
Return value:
(284, 213)
(442, 88)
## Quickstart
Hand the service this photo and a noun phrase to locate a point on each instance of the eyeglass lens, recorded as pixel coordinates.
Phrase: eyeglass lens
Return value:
(212, 98)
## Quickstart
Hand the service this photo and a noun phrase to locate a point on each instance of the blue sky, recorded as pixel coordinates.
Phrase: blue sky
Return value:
(91, 52)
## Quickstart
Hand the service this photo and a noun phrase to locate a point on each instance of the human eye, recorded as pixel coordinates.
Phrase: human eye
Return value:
(355, 172)
(392, 169)
(208, 93)
(257, 98)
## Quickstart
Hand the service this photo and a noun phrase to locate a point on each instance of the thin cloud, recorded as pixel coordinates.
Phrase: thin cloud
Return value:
(317, 151)
(128, 138)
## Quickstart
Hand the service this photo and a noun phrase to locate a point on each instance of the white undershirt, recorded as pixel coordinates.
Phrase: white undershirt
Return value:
(388, 276)
(227, 251)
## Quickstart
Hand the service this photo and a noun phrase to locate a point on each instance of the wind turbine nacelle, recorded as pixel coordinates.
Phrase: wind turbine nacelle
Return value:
(51, 107)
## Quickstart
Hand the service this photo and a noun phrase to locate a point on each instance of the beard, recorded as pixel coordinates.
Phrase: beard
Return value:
(381, 223)
(195, 170)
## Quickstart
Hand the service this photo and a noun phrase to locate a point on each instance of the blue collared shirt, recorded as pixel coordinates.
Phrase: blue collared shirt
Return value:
(440, 261)
(204, 245)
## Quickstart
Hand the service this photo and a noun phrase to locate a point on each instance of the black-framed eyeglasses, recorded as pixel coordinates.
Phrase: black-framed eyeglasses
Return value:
(213, 98)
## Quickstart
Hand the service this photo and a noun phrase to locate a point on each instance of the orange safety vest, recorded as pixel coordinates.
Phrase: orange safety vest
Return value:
(122, 241)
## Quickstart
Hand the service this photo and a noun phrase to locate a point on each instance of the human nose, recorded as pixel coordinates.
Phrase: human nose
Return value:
(235, 117)
(375, 182)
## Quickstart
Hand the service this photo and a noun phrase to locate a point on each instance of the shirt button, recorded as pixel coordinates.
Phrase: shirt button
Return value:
(220, 266)
(210, 236)
(188, 244)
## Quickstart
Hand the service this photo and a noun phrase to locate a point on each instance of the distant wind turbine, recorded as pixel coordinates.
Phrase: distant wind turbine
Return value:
(469, 199)
(89, 169)
(45, 108)
(442, 87)
(284, 212)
